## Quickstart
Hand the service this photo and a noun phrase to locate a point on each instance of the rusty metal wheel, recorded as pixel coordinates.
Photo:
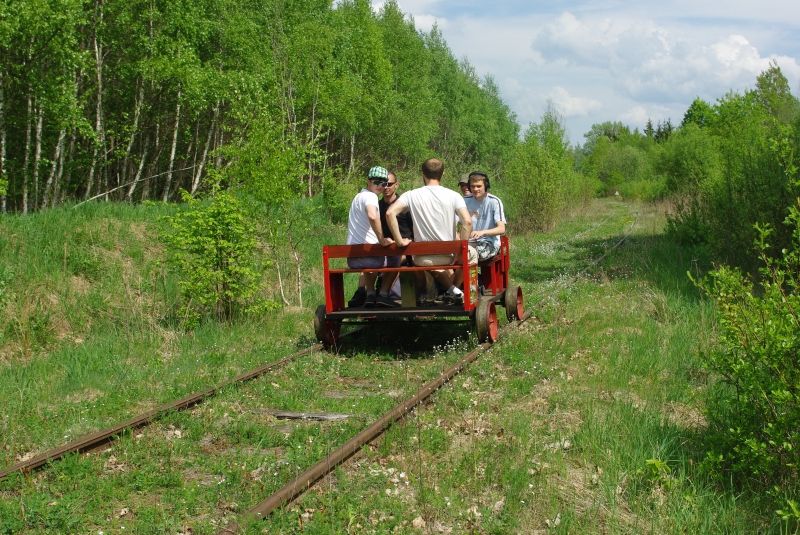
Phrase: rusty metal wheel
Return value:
(515, 306)
(327, 331)
(486, 321)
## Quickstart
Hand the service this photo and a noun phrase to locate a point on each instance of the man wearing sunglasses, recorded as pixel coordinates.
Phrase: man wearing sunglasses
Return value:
(364, 226)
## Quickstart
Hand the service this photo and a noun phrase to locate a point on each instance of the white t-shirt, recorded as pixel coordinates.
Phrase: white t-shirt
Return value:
(358, 228)
(432, 209)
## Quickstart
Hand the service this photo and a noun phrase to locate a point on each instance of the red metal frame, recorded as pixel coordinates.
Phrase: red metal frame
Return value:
(493, 274)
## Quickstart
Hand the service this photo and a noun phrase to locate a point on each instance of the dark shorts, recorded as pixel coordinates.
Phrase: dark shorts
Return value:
(373, 262)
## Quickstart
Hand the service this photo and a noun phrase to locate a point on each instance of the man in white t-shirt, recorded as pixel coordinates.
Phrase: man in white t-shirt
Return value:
(364, 226)
(433, 208)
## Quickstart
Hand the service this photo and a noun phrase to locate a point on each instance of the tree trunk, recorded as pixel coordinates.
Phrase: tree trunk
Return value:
(100, 144)
(59, 174)
(199, 173)
(3, 174)
(129, 196)
(49, 185)
(37, 155)
(352, 151)
(153, 162)
(220, 139)
(168, 184)
(64, 184)
(25, 165)
(137, 109)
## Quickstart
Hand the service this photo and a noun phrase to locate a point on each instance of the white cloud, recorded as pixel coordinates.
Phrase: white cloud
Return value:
(572, 106)
(617, 61)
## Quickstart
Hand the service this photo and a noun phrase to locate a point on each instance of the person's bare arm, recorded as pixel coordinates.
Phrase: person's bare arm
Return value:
(499, 230)
(466, 223)
(374, 216)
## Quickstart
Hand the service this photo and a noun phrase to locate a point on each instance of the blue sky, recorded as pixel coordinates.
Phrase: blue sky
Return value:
(611, 60)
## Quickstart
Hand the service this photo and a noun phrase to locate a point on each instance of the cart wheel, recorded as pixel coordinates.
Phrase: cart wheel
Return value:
(486, 321)
(513, 302)
(327, 331)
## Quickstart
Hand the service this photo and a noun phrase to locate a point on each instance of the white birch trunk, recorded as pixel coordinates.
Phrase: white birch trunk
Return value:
(137, 109)
(199, 173)
(49, 185)
(37, 155)
(168, 184)
(100, 146)
(138, 177)
(3, 174)
(26, 161)
(352, 152)
(59, 174)
(68, 158)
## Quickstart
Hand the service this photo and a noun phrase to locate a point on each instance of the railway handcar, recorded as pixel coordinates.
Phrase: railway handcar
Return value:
(485, 286)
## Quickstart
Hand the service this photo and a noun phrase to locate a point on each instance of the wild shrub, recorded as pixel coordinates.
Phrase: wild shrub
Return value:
(212, 244)
(730, 166)
(755, 413)
(541, 176)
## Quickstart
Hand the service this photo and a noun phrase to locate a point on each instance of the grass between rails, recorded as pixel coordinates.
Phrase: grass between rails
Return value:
(587, 419)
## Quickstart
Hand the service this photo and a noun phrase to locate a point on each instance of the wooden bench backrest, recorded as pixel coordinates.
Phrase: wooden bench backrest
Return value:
(414, 248)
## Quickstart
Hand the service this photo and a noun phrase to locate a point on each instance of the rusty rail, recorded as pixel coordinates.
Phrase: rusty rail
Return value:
(98, 438)
(306, 480)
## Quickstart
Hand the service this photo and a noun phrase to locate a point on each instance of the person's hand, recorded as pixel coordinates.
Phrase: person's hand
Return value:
(403, 242)
(476, 234)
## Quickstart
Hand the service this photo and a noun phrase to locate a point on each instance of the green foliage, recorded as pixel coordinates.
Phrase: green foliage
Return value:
(623, 161)
(212, 246)
(280, 94)
(540, 174)
(756, 415)
(732, 165)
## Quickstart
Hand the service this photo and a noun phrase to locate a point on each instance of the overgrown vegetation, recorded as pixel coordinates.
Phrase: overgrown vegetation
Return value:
(213, 248)
(733, 166)
(756, 409)
(540, 177)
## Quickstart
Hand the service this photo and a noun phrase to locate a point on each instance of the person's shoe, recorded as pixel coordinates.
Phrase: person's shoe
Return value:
(385, 301)
(369, 300)
(358, 298)
(451, 298)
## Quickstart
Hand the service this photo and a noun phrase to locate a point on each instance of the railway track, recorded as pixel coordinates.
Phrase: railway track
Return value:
(300, 484)
(96, 439)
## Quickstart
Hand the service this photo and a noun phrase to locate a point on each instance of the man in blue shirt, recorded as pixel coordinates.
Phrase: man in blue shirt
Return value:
(488, 217)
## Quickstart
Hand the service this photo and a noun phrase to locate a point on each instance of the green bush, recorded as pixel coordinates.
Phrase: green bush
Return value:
(645, 189)
(212, 245)
(541, 177)
(755, 413)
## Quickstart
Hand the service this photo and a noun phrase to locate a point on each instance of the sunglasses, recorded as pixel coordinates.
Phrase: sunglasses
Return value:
(390, 184)
(379, 182)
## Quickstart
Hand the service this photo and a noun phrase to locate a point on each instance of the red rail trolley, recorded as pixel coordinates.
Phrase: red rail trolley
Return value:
(485, 285)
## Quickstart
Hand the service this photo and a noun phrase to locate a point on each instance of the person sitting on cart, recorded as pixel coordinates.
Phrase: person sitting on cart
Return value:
(403, 220)
(488, 217)
(364, 226)
(463, 185)
(432, 209)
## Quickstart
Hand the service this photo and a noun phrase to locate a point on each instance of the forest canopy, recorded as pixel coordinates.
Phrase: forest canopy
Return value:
(137, 99)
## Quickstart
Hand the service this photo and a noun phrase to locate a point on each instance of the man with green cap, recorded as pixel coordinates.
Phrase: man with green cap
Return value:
(364, 226)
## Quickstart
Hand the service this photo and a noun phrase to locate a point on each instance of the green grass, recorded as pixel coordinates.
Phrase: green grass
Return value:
(589, 418)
